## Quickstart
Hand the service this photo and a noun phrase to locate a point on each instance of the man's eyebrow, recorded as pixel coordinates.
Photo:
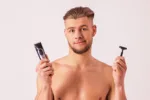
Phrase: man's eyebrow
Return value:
(70, 28)
(74, 27)
(83, 26)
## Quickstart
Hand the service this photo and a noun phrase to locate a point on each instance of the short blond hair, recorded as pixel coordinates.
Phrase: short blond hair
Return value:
(78, 12)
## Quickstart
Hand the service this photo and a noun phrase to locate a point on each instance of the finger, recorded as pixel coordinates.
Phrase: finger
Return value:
(121, 64)
(44, 65)
(49, 73)
(121, 58)
(114, 67)
(42, 73)
(42, 61)
(121, 61)
(48, 69)
(50, 64)
(117, 68)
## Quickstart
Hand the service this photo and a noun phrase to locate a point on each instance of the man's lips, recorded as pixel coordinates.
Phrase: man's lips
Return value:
(79, 42)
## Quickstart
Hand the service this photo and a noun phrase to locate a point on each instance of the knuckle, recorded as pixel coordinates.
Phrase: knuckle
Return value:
(48, 68)
(50, 64)
(51, 72)
(44, 64)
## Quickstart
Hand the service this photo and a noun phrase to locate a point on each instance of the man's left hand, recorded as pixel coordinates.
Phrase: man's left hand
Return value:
(119, 71)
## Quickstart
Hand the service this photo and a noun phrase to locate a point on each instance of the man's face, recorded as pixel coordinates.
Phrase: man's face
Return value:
(79, 33)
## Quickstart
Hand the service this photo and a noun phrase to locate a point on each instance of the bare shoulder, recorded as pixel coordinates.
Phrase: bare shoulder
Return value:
(58, 62)
(103, 65)
(107, 69)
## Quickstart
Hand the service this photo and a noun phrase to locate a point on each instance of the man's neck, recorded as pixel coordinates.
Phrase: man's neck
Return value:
(80, 59)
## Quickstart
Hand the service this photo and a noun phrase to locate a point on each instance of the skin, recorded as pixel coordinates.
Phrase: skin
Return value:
(78, 75)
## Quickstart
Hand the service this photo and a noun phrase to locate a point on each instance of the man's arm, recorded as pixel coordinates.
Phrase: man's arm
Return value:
(117, 91)
(120, 93)
(44, 93)
(44, 80)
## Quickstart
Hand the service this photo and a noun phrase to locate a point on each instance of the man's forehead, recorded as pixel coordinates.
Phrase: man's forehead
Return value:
(83, 21)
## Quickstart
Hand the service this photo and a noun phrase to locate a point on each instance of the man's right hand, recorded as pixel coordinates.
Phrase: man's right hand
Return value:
(45, 72)
(44, 80)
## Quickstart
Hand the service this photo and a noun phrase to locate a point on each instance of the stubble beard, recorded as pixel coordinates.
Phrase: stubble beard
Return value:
(85, 49)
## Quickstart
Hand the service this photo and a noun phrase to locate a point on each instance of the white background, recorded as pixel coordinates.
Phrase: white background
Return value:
(25, 22)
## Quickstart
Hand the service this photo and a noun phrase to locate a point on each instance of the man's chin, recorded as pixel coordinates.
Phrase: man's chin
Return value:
(81, 51)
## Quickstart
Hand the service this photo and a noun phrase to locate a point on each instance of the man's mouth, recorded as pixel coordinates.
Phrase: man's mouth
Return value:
(79, 42)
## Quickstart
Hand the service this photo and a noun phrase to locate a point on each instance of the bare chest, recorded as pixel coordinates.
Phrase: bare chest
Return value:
(74, 85)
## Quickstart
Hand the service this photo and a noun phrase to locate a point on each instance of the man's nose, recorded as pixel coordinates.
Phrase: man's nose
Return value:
(78, 35)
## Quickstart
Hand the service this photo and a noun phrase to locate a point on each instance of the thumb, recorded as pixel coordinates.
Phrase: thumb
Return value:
(114, 68)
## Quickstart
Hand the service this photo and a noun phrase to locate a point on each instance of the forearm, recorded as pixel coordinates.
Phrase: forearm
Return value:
(45, 94)
(120, 93)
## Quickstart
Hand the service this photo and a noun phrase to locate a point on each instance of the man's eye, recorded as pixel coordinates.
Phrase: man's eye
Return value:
(72, 30)
(84, 29)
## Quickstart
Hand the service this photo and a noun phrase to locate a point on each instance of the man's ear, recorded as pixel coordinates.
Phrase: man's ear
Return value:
(65, 32)
(94, 30)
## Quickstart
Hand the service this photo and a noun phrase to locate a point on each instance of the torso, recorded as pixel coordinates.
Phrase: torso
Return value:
(72, 83)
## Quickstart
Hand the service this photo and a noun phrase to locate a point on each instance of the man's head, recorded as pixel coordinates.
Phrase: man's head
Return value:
(79, 29)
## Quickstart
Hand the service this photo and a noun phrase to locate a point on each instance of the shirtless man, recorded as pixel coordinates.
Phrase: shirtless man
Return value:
(79, 76)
